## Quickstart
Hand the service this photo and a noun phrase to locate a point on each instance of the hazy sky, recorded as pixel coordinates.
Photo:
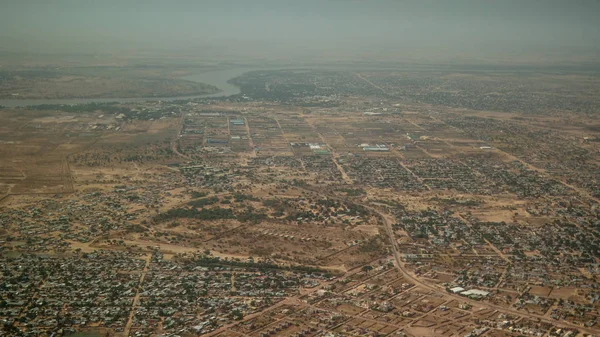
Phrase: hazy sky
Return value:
(302, 27)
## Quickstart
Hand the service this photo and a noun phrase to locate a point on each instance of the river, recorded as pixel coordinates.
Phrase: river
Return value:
(218, 78)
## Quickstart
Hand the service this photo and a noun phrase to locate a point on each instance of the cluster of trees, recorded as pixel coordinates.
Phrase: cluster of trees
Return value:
(272, 203)
(249, 215)
(263, 266)
(107, 156)
(109, 107)
(196, 194)
(239, 197)
(113, 108)
(203, 202)
(216, 213)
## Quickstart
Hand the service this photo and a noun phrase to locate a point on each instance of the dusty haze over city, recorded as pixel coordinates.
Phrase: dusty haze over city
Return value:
(274, 168)
(425, 31)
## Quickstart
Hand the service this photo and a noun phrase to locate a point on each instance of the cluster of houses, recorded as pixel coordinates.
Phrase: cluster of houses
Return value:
(42, 294)
(380, 173)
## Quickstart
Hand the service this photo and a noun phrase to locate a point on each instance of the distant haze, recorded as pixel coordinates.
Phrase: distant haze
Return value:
(521, 31)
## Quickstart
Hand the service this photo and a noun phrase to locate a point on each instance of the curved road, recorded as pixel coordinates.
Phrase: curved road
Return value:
(388, 226)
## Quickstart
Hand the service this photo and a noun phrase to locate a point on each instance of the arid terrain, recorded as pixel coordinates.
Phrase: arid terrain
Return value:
(314, 203)
(96, 82)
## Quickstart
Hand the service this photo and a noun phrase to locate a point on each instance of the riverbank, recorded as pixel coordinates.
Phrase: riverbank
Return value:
(215, 78)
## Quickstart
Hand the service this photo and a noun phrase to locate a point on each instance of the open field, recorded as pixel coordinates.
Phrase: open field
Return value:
(97, 82)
